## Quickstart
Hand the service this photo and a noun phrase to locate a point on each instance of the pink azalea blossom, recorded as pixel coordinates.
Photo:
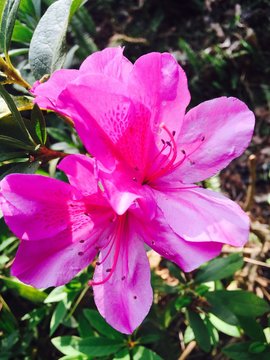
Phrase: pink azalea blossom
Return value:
(149, 155)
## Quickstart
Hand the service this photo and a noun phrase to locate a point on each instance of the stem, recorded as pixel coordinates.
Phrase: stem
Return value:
(13, 76)
(78, 301)
(44, 154)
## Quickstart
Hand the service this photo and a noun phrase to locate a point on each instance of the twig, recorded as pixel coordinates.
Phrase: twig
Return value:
(251, 188)
(191, 346)
(256, 262)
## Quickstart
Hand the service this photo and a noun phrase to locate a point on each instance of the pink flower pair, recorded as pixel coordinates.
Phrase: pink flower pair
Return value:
(140, 187)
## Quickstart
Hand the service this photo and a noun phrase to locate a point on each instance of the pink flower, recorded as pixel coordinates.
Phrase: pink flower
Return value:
(149, 155)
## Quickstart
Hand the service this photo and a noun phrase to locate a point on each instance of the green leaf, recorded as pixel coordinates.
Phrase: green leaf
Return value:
(47, 47)
(15, 143)
(38, 121)
(218, 308)
(8, 322)
(224, 327)
(16, 114)
(92, 346)
(97, 321)
(243, 351)
(22, 168)
(11, 155)
(200, 331)
(59, 315)
(252, 328)
(7, 23)
(57, 294)
(21, 33)
(145, 354)
(220, 268)
(25, 291)
(242, 303)
(67, 345)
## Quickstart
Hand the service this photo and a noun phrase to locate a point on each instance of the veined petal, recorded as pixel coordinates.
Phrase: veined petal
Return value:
(47, 93)
(126, 297)
(158, 82)
(110, 62)
(200, 215)
(36, 207)
(56, 260)
(213, 134)
(158, 235)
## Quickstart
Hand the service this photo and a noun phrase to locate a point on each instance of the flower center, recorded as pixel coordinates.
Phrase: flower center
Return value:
(165, 161)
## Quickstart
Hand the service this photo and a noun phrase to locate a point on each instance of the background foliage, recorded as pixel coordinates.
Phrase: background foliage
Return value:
(217, 312)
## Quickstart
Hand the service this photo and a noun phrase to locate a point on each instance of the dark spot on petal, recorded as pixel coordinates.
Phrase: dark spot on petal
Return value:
(168, 143)
(86, 214)
(152, 242)
(173, 132)
(135, 297)
(80, 253)
(123, 278)
(108, 270)
(136, 168)
(82, 241)
(203, 138)
(183, 151)
(163, 141)
(98, 263)
(134, 179)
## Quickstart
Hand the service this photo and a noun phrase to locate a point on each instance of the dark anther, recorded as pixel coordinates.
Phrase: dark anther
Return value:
(86, 214)
(98, 263)
(80, 253)
(135, 297)
(192, 162)
(168, 143)
(152, 242)
(163, 141)
(82, 241)
(108, 270)
(173, 133)
(183, 151)
(123, 278)
(203, 138)
(97, 248)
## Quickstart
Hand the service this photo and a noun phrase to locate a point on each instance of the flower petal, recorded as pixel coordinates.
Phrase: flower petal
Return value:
(36, 207)
(126, 297)
(110, 62)
(200, 215)
(213, 134)
(80, 172)
(158, 82)
(56, 260)
(158, 235)
(47, 93)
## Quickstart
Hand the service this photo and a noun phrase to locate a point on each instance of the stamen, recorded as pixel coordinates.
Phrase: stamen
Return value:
(117, 241)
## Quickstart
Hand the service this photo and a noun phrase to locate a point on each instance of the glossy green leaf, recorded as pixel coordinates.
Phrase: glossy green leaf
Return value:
(218, 308)
(144, 353)
(98, 323)
(47, 48)
(220, 268)
(59, 314)
(243, 351)
(241, 302)
(39, 124)
(224, 327)
(22, 168)
(16, 114)
(252, 328)
(91, 346)
(7, 23)
(57, 294)
(21, 33)
(25, 291)
(200, 331)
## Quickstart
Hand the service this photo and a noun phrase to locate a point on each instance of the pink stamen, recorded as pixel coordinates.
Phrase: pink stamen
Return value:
(117, 242)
